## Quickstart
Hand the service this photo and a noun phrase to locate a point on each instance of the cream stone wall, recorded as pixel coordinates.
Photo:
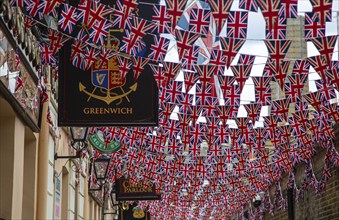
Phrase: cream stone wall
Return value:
(28, 172)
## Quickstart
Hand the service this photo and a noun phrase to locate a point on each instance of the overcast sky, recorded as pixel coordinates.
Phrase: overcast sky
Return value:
(254, 45)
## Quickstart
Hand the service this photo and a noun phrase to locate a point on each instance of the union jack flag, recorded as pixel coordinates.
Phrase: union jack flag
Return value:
(184, 122)
(159, 48)
(78, 54)
(322, 10)
(49, 118)
(166, 110)
(312, 27)
(320, 65)
(289, 9)
(211, 128)
(190, 78)
(199, 20)
(226, 112)
(140, 27)
(333, 75)
(139, 64)
(300, 67)
(209, 106)
(56, 40)
(99, 31)
(253, 111)
(19, 82)
(19, 3)
(205, 73)
(249, 5)
(104, 57)
(174, 92)
(263, 89)
(334, 64)
(297, 84)
(91, 56)
(242, 124)
(186, 99)
(218, 58)
(246, 59)
(52, 7)
(241, 72)
(171, 70)
(36, 8)
(332, 111)
(121, 13)
(270, 11)
(226, 83)
(190, 58)
(260, 135)
(315, 99)
(91, 12)
(185, 41)
(280, 108)
(233, 97)
(83, 35)
(47, 54)
(124, 65)
(161, 18)
(158, 75)
(290, 93)
(220, 9)
(325, 46)
(279, 30)
(202, 94)
(327, 92)
(174, 145)
(196, 132)
(194, 114)
(28, 21)
(285, 133)
(231, 46)
(175, 9)
(222, 137)
(279, 72)
(237, 24)
(277, 50)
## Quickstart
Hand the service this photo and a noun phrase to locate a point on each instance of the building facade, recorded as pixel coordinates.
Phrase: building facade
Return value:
(33, 185)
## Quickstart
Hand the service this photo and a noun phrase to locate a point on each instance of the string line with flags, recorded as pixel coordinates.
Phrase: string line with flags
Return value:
(245, 154)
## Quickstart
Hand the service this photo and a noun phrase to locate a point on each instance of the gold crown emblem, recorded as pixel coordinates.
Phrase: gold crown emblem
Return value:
(112, 42)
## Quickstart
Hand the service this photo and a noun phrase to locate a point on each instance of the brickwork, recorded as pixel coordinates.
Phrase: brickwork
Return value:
(322, 206)
(297, 50)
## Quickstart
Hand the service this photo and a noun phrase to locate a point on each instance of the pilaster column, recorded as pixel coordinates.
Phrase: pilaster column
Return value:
(12, 133)
(43, 162)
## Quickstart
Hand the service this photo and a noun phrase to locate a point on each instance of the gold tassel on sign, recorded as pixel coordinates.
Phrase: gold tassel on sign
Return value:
(125, 206)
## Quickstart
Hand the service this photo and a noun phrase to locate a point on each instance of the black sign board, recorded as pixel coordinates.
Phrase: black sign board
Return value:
(99, 97)
(132, 212)
(125, 191)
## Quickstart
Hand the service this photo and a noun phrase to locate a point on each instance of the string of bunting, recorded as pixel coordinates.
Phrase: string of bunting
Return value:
(197, 156)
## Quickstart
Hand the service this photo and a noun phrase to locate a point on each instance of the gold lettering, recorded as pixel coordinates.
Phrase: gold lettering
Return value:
(107, 111)
(125, 185)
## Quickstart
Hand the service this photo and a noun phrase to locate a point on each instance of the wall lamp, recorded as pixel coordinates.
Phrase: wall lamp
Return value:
(100, 169)
(79, 142)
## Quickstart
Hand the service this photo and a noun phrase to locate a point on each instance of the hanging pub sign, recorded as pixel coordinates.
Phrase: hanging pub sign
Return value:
(113, 93)
(126, 190)
(133, 212)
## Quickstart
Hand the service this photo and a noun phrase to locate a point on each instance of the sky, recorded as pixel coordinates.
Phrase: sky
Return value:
(255, 45)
